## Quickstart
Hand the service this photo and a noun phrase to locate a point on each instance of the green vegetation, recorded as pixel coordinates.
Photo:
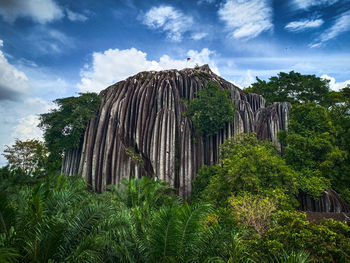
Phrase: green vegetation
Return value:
(28, 156)
(253, 194)
(131, 152)
(317, 143)
(64, 127)
(292, 87)
(211, 109)
(241, 210)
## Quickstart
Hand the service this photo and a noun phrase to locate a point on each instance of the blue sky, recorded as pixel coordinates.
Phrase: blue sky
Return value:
(51, 49)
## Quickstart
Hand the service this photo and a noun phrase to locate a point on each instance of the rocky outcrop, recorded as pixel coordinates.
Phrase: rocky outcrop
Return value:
(329, 202)
(141, 129)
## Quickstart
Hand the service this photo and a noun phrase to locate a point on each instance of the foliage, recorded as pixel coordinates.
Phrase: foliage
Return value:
(292, 87)
(339, 112)
(293, 257)
(203, 179)
(310, 147)
(327, 241)
(55, 218)
(253, 211)
(28, 156)
(211, 110)
(242, 210)
(252, 166)
(131, 152)
(237, 251)
(318, 139)
(63, 127)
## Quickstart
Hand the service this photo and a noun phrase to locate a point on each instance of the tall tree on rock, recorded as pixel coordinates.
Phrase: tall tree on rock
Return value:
(64, 127)
(211, 110)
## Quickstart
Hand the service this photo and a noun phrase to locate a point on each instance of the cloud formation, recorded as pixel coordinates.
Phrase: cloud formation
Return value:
(114, 65)
(170, 20)
(73, 16)
(49, 41)
(301, 25)
(341, 25)
(20, 121)
(12, 81)
(199, 35)
(305, 4)
(246, 19)
(333, 84)
(41, 11)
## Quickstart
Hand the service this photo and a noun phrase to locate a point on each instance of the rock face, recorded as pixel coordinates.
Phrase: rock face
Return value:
(141, 129)
(329, 202)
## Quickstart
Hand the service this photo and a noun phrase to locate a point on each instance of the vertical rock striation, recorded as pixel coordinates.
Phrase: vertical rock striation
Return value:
(329, 202)
(141, 129)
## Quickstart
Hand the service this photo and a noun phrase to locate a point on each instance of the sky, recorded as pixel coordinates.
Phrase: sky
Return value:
(52, 49)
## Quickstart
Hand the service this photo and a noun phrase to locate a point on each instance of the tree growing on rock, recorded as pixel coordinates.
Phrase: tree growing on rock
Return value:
(64, 127)
(211, 109)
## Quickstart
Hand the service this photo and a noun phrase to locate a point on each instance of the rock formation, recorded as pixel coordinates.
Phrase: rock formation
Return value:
(141, 129)
(329, 202)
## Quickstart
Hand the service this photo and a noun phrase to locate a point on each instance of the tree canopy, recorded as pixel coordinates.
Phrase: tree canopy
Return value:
(64, 126)
(248, 166)
(211, 109)
(311, 147)
(28, 156)
(292, 87)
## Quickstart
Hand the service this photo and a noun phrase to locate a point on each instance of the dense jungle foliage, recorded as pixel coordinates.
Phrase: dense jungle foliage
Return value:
(242, 210)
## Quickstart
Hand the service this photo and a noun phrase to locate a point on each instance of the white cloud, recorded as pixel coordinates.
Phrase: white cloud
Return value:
(333, 84)
(341, 25)
(114, 65)
(73, 16)
(246, 19)
(59, 37)
(305, 4)
(199, 36)
(302, 25)
(27, 128)
(1, 43)
(12, 81)
(23, 87)
(20, 120)
(170, 20)
(42, 11)
(48, 41)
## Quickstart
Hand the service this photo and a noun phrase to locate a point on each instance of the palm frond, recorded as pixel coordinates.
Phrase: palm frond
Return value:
(292, 257)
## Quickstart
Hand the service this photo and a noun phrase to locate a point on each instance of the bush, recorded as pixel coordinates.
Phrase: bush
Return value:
(327, 240)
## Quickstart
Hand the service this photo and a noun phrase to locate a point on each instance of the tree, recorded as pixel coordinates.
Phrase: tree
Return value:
(310, 147)
(64, 127)
(28, 156)
(211, 110)
(253, 211)
(340, 115)
(326, 241)
(292, 87)
(251, 166)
